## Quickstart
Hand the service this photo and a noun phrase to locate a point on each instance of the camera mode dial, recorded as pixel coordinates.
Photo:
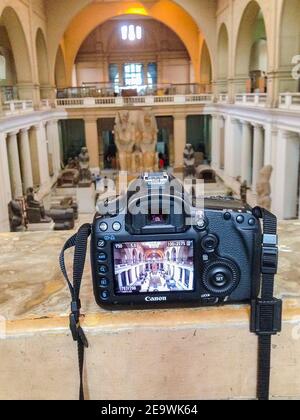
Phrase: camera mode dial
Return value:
(221, 277)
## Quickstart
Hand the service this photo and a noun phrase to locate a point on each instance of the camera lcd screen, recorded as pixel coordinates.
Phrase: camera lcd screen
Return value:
(154, 267)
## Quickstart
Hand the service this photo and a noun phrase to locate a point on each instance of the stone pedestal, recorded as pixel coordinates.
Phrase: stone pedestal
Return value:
(41, 227)
(86, 199)
(169, 352)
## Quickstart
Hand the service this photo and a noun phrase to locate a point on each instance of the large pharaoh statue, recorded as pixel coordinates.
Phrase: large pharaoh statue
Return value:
(125, 138)
(147, 137)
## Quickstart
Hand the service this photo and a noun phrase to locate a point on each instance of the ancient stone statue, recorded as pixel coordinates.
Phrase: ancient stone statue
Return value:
(85, 176)
(244, 191)
(147, 138)
(263, 187)
(189, 161)
(35, 209)
(16, 216)
(125, 138)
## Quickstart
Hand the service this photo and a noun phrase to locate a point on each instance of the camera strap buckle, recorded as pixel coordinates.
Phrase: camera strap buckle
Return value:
(266, 317)
(269, 261)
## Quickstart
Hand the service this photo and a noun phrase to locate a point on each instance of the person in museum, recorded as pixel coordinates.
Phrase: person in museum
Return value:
(92, 90)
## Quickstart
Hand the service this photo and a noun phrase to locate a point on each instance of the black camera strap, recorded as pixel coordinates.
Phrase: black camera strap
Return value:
(266, 311)
(79, 241)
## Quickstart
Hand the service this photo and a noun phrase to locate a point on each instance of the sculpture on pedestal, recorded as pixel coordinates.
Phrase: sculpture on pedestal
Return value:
(263, 187)
(189, 161)
(17, 220)
(85, 176)
(136, 140)
(35, 209)
(125, 139)
(243, 192)
(147, 136)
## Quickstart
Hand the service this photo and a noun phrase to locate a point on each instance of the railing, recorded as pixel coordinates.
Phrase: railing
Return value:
(17, 107)
(135, 101)
(107, 90)
(251, 99)
(223, 98)
(289, 101)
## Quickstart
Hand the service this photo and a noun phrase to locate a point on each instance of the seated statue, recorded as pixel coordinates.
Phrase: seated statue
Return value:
(35, 210)
(65, 204)
(69, 178)
(16, 216)
(85, 175)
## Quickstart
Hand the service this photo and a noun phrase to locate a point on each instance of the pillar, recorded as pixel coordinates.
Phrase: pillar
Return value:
(232, 148)
(41, 153)
(258, 153)
(179, 139)
(14, 164)
(216, 142)
(246, 156)
(25, 158)
(5, 190)
(92, 142)
(286, 195)
(54, 144)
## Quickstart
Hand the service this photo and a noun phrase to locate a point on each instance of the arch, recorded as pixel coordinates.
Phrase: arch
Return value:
(251, 30)
(42, 60)
(17, 39)
(223, 53)
(205, 68)
(289, 43)
(60, 69)
(164, 11)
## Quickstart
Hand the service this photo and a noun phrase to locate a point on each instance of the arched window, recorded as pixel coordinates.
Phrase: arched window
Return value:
(2, 67)
(131, 33)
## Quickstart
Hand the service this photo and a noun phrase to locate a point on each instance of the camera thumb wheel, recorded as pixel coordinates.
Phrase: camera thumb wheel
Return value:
(221, 277)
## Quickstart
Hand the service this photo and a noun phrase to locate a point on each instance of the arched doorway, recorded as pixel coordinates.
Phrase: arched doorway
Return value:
(60, 70)
(251, 64)
(289, 50)
(205, 70)
(14, 48)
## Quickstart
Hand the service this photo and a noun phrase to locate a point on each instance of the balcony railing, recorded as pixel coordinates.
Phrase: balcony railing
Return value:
(134, 101)
(223, 98)
(107, 90)
(17, 107)
(252, 99)
(289, 101)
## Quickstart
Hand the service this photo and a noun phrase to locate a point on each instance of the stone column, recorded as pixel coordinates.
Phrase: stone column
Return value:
(145, 75)
(25, 157)
(258, 153)
(54, 144)
(14, 163)
(179, 139)
(285, 195)
(232, 148)
(5, 189)
(246, 158)
(92, 142)
(42, 157)
(216, 142)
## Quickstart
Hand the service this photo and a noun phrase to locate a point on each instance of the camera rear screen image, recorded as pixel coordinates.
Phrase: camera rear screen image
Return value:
(154, 267)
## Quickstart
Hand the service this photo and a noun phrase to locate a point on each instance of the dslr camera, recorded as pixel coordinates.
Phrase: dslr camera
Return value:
(153, 246)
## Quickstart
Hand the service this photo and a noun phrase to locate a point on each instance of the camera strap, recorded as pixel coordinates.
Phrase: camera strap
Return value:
(79, 241)
(266, 311)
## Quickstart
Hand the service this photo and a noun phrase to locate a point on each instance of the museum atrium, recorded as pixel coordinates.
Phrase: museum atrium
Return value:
(220, 75)
(206, 89)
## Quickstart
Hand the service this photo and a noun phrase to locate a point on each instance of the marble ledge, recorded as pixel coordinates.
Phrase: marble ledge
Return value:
(34, 296)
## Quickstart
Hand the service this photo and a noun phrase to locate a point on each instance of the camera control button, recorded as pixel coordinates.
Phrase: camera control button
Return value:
(101, 243)
(227, 216)
(252, 222)
(103, 227)
(210, 243)
(219, 280)
(103, 269)
(104, 295)
(240, 219)
(102, 257)
(117, 227)
(104, 282)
